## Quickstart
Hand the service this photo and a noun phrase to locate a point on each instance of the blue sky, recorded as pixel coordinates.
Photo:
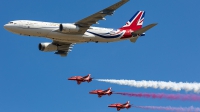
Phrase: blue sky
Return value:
(35, 81)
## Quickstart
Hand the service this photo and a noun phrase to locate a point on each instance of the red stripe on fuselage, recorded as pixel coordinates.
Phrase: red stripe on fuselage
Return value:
(127, 34)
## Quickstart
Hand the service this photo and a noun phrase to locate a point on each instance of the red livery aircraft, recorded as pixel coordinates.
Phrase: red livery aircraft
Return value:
(80, 79)
(100, 93)
(120, 106)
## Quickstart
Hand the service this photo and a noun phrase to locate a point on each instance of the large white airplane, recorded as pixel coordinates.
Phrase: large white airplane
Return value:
(65, 35)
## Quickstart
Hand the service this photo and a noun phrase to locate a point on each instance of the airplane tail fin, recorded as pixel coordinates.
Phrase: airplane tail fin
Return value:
(90, 78)
(135, 26)
(136, 22)
(128, 102)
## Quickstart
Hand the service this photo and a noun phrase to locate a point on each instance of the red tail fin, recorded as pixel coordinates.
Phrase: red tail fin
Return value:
(128, 102)
(135, 22)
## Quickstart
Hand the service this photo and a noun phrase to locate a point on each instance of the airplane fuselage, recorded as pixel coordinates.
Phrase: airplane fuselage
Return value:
(65, 35)
(50, 30)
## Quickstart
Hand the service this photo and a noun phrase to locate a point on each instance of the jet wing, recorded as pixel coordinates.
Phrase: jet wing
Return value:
(85, 23)
(63, 47)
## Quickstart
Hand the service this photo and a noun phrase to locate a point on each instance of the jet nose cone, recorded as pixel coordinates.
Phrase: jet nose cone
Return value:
(91, 92)
(111, 105)
(5, 26)
(71, 78)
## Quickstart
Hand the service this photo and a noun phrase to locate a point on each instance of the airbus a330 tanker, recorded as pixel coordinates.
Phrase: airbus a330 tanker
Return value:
(65, 35)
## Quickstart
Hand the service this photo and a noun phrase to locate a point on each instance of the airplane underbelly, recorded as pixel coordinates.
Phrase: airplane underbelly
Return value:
(100, 39)
(42, 33)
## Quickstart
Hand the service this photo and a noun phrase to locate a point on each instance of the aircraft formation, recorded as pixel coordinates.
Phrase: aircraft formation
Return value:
(127, 105)
(100, 93)
(65, 35)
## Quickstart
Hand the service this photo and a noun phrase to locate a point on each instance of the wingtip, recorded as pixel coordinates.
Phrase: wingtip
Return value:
(155, 23)
(125, 0)
(152, 25)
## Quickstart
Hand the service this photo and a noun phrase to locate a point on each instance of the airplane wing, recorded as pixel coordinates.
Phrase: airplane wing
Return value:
(85, 23)
(63, 47)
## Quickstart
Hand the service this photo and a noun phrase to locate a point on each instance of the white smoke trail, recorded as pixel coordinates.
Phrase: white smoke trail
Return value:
(174, 86)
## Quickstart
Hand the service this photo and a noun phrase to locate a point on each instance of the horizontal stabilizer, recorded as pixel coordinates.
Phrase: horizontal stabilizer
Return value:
(144, 29)
(140, 32)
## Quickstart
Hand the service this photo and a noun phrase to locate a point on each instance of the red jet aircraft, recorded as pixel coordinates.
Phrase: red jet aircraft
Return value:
(80, 79)
(100, 93)
(121, 106)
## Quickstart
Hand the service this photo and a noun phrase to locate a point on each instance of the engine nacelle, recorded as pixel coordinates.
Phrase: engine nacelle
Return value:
(47, 47)
(68, 28)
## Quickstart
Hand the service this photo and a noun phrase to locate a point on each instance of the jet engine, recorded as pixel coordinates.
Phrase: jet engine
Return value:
(47, 47)
(67, 28)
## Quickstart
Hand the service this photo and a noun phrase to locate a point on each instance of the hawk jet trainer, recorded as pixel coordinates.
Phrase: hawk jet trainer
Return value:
(80, 79)
(100, 93)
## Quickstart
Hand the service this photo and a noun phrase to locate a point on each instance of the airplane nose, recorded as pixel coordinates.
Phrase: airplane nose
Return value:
(112, 105)
(91, 92)
(5, 26)
(71, 78)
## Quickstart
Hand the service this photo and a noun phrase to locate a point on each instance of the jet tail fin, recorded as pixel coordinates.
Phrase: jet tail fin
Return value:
(128, 102)
(87, 76)
(135, 22)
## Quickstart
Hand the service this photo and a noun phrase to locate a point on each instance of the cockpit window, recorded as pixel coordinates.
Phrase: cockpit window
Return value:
(10, 22)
